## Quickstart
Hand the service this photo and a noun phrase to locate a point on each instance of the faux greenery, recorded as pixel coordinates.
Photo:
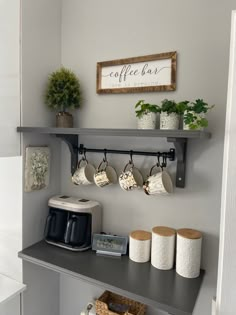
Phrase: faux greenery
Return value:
(63, 90)
(199, 106)
(191, 115)
(143, 108)
(170, 106)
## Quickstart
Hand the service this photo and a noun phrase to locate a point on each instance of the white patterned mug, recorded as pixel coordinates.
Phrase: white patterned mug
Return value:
(84, 173)
(159, 183)
(105, 175)
(130, 179)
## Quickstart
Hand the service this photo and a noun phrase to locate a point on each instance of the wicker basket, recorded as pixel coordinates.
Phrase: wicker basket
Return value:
(135, 308)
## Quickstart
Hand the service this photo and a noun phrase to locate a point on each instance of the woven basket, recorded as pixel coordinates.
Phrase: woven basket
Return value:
(135, 308)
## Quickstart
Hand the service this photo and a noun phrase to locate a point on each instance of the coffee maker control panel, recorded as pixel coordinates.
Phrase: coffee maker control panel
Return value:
(72, 203)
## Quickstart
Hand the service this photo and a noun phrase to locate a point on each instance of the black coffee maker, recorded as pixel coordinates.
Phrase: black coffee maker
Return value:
(71, 222)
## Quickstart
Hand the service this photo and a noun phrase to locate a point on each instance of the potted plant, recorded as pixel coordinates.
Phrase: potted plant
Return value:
(194, 115)
(170, 113)
(63, 93)
(146, 114)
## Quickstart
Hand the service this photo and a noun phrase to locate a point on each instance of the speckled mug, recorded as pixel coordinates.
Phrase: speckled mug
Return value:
(105, 175)
(130, 178)
(159, 183)
(84, 173)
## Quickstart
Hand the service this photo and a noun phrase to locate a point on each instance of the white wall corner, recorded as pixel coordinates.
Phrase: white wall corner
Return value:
(225, 301)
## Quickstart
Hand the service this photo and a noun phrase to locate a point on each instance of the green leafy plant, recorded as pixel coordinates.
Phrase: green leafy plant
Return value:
(170, 106)
(194, 114)
(182, 107)
(199, 106)
(63, 90)
(143, 108)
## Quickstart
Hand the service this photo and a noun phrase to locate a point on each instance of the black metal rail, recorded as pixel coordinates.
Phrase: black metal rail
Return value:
(169, 155)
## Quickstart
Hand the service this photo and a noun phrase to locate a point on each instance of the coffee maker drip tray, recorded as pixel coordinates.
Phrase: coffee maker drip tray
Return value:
(68, 246)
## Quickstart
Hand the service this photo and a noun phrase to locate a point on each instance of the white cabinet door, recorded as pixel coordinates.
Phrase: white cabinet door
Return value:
(11, 307)
(11, 216)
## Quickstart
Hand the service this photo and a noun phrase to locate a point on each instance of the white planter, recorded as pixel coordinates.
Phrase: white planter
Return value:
(198, 116)
(147, 121)
(169, 121)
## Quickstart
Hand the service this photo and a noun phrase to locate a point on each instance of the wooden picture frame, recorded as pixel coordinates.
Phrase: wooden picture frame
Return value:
(139, 74)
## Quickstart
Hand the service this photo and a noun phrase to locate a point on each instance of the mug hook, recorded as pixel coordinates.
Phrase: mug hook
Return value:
(158, 159)
(84, 155)
(105, 156)
(131, 157)
(164, 161)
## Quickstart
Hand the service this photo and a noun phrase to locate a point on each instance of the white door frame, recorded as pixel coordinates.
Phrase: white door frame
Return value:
(226, 286)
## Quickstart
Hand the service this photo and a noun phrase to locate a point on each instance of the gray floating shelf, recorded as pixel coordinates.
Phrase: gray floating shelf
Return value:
(164, 290)
(178, 137)
(118, 132)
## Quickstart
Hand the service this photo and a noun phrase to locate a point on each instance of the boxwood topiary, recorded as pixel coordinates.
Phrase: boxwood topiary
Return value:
(63, 90)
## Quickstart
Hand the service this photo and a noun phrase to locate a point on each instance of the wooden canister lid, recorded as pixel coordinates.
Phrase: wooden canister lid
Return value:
(189, 233)
(141, 235)
(163, 231)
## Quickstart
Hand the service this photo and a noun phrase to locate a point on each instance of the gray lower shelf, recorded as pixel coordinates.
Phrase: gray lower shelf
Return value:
(164, 290)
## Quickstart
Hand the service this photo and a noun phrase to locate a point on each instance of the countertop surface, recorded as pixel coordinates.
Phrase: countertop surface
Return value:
(9, 288)
(164, 290)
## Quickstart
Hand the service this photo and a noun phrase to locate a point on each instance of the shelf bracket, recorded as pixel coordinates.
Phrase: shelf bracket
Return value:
(180, 148)
(72, 142)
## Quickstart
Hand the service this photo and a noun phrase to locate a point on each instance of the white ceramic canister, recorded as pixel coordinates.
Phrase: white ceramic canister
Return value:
(163, 247)
(140, 246)
(169, 121)
(188, 253)
(147, 121)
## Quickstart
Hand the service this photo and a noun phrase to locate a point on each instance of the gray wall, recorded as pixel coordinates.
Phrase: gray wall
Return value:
(43, 289)
(41, 42)
(95, 31)
(41, 22)
(41, 54)
(9, 77)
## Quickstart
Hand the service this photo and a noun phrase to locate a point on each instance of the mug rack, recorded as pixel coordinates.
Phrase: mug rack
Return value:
(179, 138)
(166, 155)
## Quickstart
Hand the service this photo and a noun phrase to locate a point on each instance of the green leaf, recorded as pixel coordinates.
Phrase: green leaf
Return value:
(145, 108)
(168, 106)
(200, 106)
(203, 122)
(182, 107)
(139, 103)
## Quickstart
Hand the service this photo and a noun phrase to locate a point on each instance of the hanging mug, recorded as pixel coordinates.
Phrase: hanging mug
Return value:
(105, 174)
(84, 173)
(159, 183)
(131, 178)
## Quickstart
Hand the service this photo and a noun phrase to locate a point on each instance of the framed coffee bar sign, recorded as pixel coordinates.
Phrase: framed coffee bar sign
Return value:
(139, 74)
